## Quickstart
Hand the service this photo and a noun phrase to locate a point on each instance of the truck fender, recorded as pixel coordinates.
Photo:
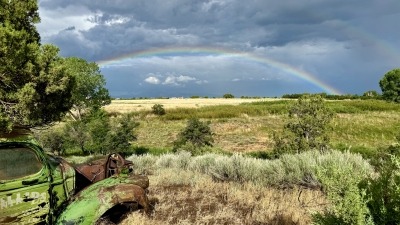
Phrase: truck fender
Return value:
(92, 203)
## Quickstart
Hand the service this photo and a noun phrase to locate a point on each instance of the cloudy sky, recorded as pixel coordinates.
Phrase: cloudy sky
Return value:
(160, 48)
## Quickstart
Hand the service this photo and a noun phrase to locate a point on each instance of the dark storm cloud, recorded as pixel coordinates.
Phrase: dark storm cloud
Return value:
(338, 41)
(257, 22)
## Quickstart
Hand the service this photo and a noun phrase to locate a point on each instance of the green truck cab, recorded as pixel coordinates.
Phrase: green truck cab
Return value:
(39, 188)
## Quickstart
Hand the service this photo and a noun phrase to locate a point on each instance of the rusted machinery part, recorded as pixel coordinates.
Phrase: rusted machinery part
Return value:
(100, 169)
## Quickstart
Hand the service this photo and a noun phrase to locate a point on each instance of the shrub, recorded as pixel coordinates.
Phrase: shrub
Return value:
(383, 193)
(300, 169)
(158, 109)
(228, 96)
(347, 201)
(307, 127)
(194, 136)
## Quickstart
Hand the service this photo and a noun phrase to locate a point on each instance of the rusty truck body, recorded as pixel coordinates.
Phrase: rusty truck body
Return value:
(40, 188)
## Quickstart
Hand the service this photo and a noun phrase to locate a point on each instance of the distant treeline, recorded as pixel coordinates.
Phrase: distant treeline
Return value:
(366, 95)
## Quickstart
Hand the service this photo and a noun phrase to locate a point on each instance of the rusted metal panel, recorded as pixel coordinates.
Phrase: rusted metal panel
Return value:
(104, 168)
(91, 203)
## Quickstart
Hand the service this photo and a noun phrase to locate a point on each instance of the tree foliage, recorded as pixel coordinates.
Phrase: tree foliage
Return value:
(35, 87)
(121, 134)
(390, 85)
(307, 127)
(53, 139)
(96, 132)
(371, 94)
(89, 91)
(228, 95)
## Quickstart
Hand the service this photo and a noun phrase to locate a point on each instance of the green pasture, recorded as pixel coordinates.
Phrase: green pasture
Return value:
(358, 125)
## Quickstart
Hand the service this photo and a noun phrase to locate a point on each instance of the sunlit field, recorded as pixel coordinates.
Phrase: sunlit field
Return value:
(124, 106)
(248, 125)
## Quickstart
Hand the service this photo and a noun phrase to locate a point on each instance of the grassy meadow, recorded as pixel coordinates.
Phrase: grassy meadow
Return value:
(229, 187)
(247, 125)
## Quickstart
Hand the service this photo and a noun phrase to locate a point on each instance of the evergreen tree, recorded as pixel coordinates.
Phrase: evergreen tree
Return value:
(35, 88)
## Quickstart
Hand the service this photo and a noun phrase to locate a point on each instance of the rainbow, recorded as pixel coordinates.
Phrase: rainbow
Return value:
(382, 46)
(169, 51)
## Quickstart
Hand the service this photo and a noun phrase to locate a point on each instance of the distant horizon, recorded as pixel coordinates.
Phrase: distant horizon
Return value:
(221, 96)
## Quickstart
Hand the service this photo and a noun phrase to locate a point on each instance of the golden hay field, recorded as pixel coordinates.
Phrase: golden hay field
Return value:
(125, 106)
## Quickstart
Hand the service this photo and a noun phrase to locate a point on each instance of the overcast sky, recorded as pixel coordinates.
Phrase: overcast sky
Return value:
(172, 48)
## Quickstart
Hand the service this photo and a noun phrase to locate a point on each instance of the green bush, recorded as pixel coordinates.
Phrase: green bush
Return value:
(373, 200)
(194, 137)
(228, 96)
(347, 201)
(120, 135)
(383, 193)
(158, 109)
(307, 127)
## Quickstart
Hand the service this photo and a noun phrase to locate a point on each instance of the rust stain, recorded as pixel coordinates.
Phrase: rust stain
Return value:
(101, 169)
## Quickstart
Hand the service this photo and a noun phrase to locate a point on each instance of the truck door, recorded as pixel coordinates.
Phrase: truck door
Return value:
(24, 185)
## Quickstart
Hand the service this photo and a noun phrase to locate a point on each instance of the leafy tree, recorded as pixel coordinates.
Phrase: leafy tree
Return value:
(158, 109)
(390, 85)
(371, 94)
(97, 132)
(228, 96)
(76, 136)
(121, 134)
(196, 133)
(98, 127)
(53, 139)
(89, 91)
(35, 88)
(307, 127)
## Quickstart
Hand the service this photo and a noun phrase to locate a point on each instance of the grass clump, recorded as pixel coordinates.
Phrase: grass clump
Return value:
(288, 171)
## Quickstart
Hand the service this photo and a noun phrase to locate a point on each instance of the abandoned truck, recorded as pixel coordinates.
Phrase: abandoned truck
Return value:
(39, 188)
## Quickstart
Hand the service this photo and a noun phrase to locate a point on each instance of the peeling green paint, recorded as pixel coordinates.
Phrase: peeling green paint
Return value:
(91, 203)
(36, 187)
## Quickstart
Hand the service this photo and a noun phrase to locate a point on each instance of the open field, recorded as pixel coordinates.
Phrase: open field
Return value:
(247, 125)
(125, 106)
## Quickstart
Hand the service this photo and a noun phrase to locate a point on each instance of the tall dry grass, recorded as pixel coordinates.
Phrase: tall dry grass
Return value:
(186, 197)
(220, 189)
